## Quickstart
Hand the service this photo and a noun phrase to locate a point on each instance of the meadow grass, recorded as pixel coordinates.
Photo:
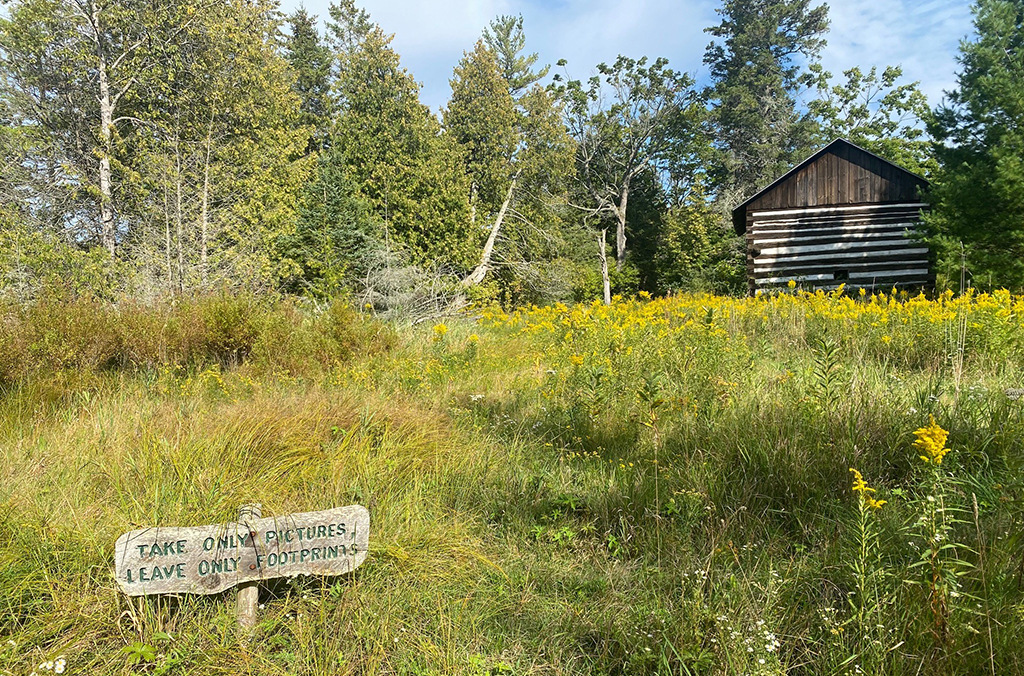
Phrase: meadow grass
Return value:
(662, 486)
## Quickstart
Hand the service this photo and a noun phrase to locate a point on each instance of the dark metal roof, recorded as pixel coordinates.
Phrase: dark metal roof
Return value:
(739, 213)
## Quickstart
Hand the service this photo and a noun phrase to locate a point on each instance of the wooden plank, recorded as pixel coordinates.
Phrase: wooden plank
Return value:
(844, 255)
(210, 559)
(838, 209)
(830, 267)
(761, 235)
(838, 247)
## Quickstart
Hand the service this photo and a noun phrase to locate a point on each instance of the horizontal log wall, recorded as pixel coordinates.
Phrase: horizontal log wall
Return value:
(870, 246)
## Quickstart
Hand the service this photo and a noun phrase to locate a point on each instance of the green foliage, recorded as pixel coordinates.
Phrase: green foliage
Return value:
(34, 263)
(59, 333)
(698, 251)
(334, 233)
(517, 154)
(977, 193)
(645, 127)
(393, 151)
(505, 38)
(481, 118)
(872, 111)
(756, 73)
(311, 60)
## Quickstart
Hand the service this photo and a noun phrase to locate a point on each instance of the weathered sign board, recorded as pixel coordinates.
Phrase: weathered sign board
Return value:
(210, 559)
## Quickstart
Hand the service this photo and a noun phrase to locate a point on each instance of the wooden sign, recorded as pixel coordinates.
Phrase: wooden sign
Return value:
(210, 559)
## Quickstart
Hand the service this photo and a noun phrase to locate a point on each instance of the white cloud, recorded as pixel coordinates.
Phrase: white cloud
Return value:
(921, 36)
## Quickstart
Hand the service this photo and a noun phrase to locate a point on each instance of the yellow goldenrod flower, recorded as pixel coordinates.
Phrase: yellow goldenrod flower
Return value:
(439, 331)
(931, 441)
(576, 359)
(473, 338)
(864, 491)
(859, 485)
(791, 284)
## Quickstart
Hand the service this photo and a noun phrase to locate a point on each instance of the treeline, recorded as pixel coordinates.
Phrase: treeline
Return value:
(171, 147)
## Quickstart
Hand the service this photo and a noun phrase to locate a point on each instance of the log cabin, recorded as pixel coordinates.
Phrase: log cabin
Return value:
(842, 216)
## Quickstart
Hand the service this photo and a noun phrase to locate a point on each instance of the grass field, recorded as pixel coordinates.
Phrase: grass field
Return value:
(662, 486)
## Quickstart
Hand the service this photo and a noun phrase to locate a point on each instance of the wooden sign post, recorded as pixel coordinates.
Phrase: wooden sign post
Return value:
(211, 559)
(248, 592)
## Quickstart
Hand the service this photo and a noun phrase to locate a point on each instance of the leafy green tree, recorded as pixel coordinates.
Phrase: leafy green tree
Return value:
(223, 155)
(517, 153)
(978, 192)
(407, 171)
(873, 111)
(756, 73)
(640, 129)
(71, 69)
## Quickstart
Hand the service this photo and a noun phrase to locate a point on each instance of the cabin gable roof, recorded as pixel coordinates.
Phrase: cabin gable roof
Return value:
(825, 178)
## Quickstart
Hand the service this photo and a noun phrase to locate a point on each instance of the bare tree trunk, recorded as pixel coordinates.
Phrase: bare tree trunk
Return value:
(480, 272)
(178, 218)
(204, 212)
(604, 267)
(106, 131)
(167, 241)
(620, 229)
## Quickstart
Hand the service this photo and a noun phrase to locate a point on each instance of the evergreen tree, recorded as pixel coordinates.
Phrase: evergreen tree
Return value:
(311, 61)
(505, 38)
(756, 74)
(978, 193)
(391, 146)
(222, 160)
(516, 151)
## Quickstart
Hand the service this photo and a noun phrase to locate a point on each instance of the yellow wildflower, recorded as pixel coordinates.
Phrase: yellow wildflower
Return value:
(576, 359)
(931, 441)
(439, 331)
(473, 338)
(864, 491)
(791, 284)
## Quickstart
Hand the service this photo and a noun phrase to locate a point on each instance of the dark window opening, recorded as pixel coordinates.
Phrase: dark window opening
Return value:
(841, 275)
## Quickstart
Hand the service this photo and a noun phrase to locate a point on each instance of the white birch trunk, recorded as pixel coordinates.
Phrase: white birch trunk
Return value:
(106, 130)
(204, 214)
(604, 267)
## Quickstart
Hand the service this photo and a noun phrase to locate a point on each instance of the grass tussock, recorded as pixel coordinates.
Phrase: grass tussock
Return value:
(656, 487)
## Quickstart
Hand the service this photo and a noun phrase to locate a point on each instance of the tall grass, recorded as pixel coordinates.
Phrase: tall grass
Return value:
(662, 486)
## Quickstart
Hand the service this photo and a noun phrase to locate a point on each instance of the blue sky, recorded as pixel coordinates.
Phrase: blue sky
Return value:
(920, 35)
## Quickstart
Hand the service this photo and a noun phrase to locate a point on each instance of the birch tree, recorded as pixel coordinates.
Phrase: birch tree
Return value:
(72, 66)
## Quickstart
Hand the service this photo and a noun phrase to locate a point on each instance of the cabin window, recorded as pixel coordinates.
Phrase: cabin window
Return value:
(841, 275)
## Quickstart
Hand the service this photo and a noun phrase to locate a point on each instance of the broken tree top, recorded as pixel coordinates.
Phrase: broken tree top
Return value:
(210, 559)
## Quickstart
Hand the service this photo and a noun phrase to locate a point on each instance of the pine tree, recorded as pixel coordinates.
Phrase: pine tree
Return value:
(310, 59)
(978, 192)
(516, 151)
(756, 73)
(505, 38)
